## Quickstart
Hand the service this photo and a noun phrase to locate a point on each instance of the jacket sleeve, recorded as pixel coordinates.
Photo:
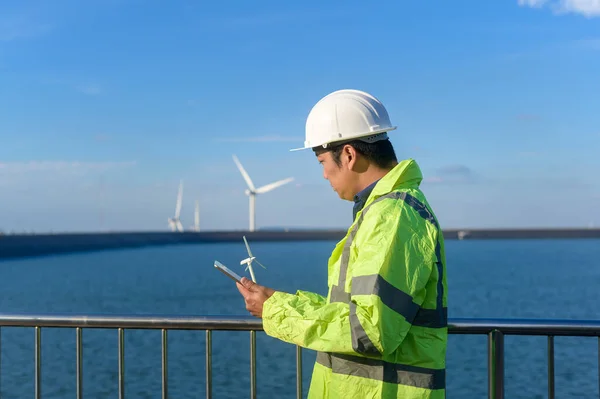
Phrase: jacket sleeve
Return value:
(389, 274)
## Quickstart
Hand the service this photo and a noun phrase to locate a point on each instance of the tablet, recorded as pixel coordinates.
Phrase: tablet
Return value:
(228, 272)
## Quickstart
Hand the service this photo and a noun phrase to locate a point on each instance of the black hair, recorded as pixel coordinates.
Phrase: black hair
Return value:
(381, 152)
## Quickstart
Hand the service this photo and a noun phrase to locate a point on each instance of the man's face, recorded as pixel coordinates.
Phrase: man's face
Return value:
(338, 176)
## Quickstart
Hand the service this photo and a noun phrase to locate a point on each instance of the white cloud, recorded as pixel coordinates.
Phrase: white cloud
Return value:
(433, 179)
(532, 3)
(453, 174)
(588, 8)
(60, 166)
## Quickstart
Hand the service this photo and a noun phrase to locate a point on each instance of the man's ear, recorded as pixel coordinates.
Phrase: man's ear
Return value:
(349, 154)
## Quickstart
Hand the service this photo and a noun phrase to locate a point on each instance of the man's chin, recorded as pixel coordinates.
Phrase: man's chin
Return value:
(340, 196)
(344, 198)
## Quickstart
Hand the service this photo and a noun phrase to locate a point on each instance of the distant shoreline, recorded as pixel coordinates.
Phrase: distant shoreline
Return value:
(30, 245)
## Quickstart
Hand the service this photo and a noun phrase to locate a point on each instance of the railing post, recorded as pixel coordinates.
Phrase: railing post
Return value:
(253, 364)
(38, 362)
(208, 364)
(0, 362)
(79, 356)
(298, 372)
(496, 365)
(121, 363)
(550, 367)
(164, 365)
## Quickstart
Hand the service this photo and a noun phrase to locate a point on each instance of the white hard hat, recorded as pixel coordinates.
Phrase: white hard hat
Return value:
(346, 115)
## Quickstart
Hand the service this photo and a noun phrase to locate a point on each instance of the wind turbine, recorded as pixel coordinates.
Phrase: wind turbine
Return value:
(251, 192)
(174, 222)
(196, 226)
(248, 261)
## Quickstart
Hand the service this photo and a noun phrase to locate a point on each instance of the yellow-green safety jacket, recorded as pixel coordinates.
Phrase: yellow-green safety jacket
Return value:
(382, 330)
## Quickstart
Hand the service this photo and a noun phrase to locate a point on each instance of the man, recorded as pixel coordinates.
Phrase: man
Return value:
(382, 330)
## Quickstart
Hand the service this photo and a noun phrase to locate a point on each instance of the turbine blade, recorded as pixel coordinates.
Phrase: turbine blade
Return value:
(247, 247)
(263, 266)
(179, 200)
(244, 174)
(272, 186)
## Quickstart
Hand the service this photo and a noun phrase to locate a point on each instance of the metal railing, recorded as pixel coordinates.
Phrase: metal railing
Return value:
(495, 329)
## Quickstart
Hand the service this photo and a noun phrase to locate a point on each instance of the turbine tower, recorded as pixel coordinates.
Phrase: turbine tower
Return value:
(174, 222)
(196, 226)
(251, 192)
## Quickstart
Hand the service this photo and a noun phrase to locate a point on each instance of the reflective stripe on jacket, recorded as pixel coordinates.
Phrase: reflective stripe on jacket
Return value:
(382, 330)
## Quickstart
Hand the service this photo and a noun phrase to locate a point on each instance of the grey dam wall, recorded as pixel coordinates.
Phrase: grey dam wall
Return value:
(26, 245)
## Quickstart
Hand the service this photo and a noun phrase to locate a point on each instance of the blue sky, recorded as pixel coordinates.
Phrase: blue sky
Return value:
(106, 104)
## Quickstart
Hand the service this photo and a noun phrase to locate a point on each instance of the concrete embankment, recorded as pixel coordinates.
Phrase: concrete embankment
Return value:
(15, 246)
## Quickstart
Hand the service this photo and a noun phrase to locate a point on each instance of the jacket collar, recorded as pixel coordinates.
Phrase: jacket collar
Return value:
(407, 174)
(361, 198)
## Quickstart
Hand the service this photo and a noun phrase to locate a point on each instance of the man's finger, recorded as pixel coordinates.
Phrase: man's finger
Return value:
(243, 290)
(248, 284)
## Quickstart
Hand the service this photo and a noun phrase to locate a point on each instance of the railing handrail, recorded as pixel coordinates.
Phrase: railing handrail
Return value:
(543, 327)
(540, 327)
(150, 321)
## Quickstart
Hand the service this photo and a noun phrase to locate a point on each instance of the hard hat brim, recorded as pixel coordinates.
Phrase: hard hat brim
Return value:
(300, 149)
(354, 138)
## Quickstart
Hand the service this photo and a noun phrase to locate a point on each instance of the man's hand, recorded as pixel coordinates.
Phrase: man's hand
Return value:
(254, 295)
